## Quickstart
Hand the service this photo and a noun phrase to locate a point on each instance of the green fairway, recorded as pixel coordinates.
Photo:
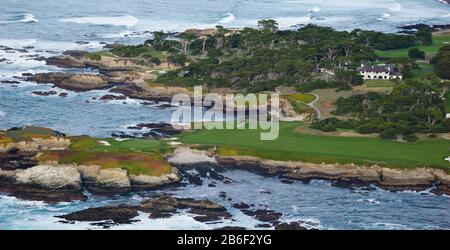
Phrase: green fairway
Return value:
(292, 145)
(378, 83)
(438, 42)
(301, 97)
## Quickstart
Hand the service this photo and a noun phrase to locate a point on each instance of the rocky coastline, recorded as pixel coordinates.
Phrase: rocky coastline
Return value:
(166, 206)
(24, 175)
(418, 179)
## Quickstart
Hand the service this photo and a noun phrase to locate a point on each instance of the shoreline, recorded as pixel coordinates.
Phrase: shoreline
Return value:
(418, 179)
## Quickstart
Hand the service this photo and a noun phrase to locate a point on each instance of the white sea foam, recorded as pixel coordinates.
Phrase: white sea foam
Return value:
(228, 19)
(286, 22)
(27, 18)
(395, 6)
(315, 9)
(385, 15)
(128, 20)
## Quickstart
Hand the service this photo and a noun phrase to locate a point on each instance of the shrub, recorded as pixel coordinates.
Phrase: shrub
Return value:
(93, 56)
(416, 53)
(389, 134)
(412, 138)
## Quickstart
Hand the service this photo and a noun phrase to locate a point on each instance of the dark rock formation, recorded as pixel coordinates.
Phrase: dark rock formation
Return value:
(290, 226)
(44, 93)
(16, 159)
(112, 97)
(122, 214)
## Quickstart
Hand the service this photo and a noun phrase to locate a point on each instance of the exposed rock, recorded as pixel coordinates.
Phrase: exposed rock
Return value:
(167, 205)
(44, 93)
(65, 62)
(156, 94)
(290, 226)
(305, 171)
(241, 205)
(104, 181)
(112, 97)
(15, 159)
(84, 83)
(40, 144)
(231, 228)
(145, 182)
(416, 179)
(50, 178)
(344, 174)
(9, 81)
(78, 54)
(69, 81)
(264, 215)
(63, 94)
(187, 156)
(122, 214)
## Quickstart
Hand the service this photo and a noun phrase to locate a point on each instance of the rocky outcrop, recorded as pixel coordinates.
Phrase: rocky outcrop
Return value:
(84, 83)
(38, 144)
(104, 216)
(417, 179)
(73, 82)
(137, 92)
(66, 61)
(50, 178)
(15, 159)
(146, 182)
(344, 174)
(158, 207)
(43, 182)
(290, 226)
(186, 156)
(104, 181)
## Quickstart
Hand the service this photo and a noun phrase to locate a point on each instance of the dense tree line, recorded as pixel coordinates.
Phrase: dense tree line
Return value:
(263, 58)
(412, 107)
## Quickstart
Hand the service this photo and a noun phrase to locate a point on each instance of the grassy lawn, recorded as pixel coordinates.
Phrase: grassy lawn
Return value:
(139, 157)
(293, 145)
(379, 83)
(155, 53)
(302, 97)
(301, 108)
(438, 42)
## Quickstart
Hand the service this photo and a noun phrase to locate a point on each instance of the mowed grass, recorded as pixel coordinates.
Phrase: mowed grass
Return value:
(379, 83)
(301, 97)
(294, 146)
(30, 132)
(438, 42)
(139, 157)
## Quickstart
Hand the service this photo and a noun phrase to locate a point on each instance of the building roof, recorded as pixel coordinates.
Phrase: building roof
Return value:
(387, 68)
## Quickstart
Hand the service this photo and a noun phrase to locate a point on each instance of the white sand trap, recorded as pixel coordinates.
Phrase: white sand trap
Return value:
(104, 143)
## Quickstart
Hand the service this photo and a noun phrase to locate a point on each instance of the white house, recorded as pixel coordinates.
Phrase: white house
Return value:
(380, 72)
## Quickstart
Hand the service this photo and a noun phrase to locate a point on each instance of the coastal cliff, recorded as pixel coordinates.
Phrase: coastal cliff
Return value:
(30, 167)
(417, 179)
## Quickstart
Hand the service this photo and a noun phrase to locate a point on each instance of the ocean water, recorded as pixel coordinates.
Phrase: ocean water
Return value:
(317, 204)
(46, 28)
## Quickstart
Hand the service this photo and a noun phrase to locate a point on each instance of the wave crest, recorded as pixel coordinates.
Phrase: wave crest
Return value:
(115, 21)
(26, 18)
(228, 19)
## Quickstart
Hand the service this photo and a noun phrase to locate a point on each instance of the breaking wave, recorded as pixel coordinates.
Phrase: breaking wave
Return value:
(127, 21)
(315, 9)
(27, 18)
(395, 7)
(228, 19)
